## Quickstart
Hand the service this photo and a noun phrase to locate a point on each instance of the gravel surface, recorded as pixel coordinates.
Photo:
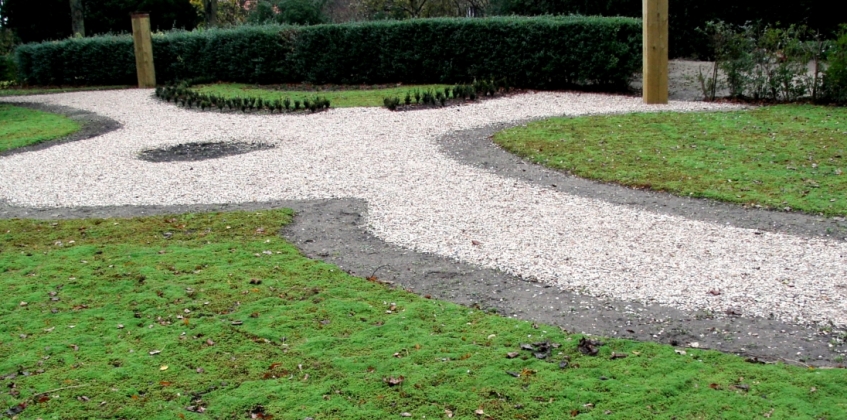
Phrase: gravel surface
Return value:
(419, 198)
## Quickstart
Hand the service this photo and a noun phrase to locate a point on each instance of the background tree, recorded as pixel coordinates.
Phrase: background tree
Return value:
(77, 18)
(300, 12)
(41, 20)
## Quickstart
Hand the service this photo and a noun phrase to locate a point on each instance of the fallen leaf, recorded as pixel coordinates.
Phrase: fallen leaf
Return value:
(588, 347)
(392, 381)
(479, 412)
(617, 356)
(155, 352)
(163, 367)
(512, 354)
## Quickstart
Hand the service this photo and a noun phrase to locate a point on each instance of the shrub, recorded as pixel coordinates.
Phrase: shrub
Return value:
(686, 16)
(543, 52)
(764, 63)
(7, 68)
(835, 77)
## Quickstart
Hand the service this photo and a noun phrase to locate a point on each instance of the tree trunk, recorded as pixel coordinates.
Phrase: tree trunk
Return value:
(210, 8)
(77, 18)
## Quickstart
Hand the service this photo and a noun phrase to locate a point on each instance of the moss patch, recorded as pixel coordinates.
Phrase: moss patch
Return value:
(162, 317)
(21, 127)
(791, 156)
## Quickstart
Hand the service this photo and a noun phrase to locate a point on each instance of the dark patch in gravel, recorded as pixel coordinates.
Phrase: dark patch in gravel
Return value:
(475, 148)
(91, 124)
(333, 231)
(200, 151)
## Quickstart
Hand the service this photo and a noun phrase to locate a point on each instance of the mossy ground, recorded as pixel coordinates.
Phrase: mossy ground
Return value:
(21, 127)
(341, 97)
(791, 156)
(41, 90)
(142, 318)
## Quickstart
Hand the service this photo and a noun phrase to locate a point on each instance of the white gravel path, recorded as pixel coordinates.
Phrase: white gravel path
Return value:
(419, 198)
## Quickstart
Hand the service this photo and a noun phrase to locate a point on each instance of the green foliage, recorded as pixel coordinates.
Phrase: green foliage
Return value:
(765, 63)
(182, 95)
(8, 70)
(542, 52)
(35, 21)
(686, 16)
(154, 315)
(298, 12)
(21, 127)
(835, 78)
(781, 156)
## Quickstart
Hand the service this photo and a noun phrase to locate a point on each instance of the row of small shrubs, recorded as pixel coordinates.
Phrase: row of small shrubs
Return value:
(539, 52)
(182, 95)
(433, 97)
(765, 62)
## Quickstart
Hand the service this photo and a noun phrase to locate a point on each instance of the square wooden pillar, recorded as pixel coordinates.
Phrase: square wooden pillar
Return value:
(655, 51)
(143, 50)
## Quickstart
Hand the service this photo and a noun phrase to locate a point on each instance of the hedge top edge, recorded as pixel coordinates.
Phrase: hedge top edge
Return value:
(530, 52)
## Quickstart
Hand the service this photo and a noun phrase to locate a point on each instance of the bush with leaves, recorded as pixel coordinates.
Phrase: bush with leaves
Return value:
(537, 53)
(764, 62)
(835, 78)
(296, 12)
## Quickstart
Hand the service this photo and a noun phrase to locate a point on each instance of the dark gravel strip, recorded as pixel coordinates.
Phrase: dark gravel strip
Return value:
(474, 147)
(332, 231)
(92, 125)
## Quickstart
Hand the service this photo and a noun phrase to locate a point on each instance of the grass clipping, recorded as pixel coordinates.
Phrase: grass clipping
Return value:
(171, 317)
(790, 157)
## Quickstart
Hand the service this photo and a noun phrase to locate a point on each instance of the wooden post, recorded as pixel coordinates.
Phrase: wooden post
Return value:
(143, 50)
(655, 51)
(77, 18)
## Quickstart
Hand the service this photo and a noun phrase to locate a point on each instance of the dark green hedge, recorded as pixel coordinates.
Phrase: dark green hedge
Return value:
(541, 52)
(686, 16)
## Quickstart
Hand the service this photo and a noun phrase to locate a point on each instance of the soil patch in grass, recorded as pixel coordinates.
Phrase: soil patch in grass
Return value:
(201, 151)
(790, 157)
(216, 313)
(21, 127)
(339, 96)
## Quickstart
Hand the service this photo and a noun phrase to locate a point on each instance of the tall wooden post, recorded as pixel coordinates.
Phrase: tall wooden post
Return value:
(143, 50)
(77, 18)
(655, 51)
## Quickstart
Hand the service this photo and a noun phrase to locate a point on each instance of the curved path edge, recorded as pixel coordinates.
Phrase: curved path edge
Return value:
(91, 125)
(475, 148)
(334, 231)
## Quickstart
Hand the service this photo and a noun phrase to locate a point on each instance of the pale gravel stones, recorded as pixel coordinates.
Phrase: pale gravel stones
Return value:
(421, 199)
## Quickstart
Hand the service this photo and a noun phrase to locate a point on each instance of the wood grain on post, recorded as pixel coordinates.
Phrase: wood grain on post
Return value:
(143, 50)
(655, 51)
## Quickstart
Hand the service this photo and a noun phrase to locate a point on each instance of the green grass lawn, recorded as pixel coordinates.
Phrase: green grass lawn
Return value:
(23, 127)
(338, 98)
(781, 156)
(142, 318)
(44, 90)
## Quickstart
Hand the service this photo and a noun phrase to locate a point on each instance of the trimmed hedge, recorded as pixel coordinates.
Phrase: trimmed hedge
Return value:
(540, 52)
(686, 16)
